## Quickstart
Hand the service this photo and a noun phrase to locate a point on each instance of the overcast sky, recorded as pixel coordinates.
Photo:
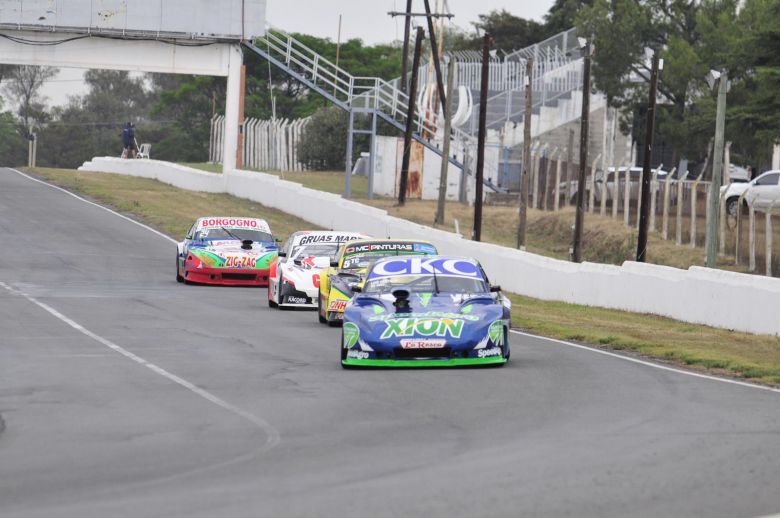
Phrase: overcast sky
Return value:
(364, 19)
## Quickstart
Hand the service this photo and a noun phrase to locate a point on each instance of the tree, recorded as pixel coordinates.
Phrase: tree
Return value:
(22, 85)
(13, 148)
(510, 32)
(323, 144)
(91, 125)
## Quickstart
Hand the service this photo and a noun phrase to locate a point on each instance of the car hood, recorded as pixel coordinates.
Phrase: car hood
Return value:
(229, 254)
(456, 319)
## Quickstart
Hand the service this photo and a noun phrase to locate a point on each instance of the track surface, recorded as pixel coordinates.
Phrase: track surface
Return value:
(272, 426)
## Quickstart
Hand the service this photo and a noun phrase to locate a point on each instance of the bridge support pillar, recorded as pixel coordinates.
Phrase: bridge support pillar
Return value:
(233, 95)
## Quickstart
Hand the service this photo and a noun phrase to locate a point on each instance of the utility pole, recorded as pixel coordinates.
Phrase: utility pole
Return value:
(644, 215)
(524, 180)
(435, 54)
(410, 120)
(579, 221)
(483, 90)
(405, 51)
(445, 152)
(338, 55)
(717, 166)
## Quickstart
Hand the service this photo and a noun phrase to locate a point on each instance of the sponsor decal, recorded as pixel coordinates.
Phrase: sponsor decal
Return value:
(423, 266)
(240, 261)
(258, 224)
(487, 353)
(423, 327)
(425, 298)
(496, 332)
(378, 247)
(326, 238)
(295, 300)
(351, 335)
(423, 343)
(467, 309)
(315, 280)
(378, 310)
(337, 305)
(358, 355)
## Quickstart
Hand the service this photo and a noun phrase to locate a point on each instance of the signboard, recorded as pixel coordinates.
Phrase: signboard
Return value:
(190, 19)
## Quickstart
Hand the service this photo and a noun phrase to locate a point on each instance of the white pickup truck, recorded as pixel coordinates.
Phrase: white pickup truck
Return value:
(761, 191)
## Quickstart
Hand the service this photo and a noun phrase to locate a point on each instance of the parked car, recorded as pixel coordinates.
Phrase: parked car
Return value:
(635, 179)
(761, 191)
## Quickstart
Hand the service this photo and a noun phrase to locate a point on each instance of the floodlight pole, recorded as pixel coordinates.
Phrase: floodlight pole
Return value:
(483, 90)
(717, 167)
(579, 220)
(410, 120)
(644, 215)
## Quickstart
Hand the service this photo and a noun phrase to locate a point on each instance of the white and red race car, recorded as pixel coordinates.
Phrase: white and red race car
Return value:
(294, 276)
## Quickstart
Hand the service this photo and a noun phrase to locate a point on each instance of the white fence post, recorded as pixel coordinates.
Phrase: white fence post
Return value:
(592, 193)
(694, 196)
(557, 202)
(752, 237)
(627, 197)
(678, 226)
(768, 239)
(665, 217)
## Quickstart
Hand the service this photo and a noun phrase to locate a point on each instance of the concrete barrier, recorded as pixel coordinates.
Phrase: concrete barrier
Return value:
(699, 295)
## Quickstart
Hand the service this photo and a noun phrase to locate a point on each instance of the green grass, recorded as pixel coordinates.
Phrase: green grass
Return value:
(743, 355)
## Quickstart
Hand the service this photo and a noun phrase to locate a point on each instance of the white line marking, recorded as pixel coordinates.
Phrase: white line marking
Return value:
(649, 364)
(131, 220)
(272, 435)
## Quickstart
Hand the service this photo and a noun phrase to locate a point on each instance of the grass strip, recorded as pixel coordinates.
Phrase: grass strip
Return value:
(719, 351)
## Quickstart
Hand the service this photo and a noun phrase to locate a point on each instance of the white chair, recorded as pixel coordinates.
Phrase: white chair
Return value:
(144, 150)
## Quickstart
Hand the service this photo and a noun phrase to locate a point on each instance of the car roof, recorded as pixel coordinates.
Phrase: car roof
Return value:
(389, 240)
(234, 222)
(299, 235)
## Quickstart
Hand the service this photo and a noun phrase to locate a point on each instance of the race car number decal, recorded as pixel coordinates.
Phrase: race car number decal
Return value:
(337, 305)
(315, 280)
(240, 262)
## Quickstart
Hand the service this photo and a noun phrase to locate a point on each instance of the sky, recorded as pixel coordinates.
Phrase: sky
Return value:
(364, 19)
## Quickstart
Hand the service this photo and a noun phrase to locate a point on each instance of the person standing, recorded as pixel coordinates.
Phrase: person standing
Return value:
(128, 140)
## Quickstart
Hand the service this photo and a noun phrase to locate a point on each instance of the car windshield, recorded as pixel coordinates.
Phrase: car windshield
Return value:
(219, 234)
(315, 250)
(358, 261)
(425, 283)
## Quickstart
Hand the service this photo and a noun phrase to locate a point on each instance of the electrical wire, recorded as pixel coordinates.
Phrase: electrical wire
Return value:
(168, 41)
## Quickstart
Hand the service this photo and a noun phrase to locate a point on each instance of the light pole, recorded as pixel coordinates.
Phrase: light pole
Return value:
(722, 79)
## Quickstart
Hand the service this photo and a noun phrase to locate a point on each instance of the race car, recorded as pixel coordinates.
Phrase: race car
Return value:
(426, 312)
(227, 251)
(349, 267)
(294, 279)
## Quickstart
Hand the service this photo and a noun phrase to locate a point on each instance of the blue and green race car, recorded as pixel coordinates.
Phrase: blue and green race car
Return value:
(426, 311)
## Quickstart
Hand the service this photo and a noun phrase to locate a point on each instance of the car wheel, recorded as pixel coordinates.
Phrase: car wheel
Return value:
(320, 312)
(732, 206)
(179, 278)
(271, 302)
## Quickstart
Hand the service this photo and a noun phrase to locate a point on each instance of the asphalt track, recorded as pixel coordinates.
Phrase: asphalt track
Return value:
(125, 394)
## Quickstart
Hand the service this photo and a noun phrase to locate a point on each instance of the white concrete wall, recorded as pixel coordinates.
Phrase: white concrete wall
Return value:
(700, 295)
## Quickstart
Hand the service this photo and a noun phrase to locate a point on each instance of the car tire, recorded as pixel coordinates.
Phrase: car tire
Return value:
(322, 319)
(271, 302)
(732, 206)
(179, 278)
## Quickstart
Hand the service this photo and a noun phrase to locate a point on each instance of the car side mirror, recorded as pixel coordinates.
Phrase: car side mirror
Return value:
(282, 254)
(355, 288)
(277, 240)
(334, 264)
(297, 262)
(495, 289)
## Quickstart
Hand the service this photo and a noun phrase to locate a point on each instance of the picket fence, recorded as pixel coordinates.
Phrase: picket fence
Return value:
(267, 144)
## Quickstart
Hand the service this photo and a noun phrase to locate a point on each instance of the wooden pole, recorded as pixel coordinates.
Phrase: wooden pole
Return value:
(524, 181)
(445, 152)
(410, 119)
(579, 221)
(405, 51)
(644, 199)
(483, 91)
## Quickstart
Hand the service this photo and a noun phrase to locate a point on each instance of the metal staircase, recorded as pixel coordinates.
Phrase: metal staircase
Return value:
(355, 94)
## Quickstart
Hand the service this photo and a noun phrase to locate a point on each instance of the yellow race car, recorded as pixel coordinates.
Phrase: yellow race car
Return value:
(349, 267)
